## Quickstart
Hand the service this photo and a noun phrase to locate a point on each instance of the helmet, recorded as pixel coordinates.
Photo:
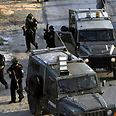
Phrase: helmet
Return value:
(15, 60)
(30, 16)
(51, 27)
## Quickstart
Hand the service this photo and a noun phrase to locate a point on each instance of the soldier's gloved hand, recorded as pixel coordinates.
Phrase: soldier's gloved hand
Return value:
(9, 72)
(51, 36)
(25, 29)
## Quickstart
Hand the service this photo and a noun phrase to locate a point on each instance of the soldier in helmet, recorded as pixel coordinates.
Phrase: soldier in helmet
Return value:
(2, 65)
(49, 37)
(100, 4)
(16, 74)
(30, 31)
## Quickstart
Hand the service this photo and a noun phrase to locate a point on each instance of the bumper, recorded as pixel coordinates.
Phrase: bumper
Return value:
(101, 63)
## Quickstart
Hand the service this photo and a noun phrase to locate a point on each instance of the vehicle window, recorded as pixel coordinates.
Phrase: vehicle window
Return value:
(87, 82)
(66, 38)
(104, 35)
(96, 35)
(76, 84)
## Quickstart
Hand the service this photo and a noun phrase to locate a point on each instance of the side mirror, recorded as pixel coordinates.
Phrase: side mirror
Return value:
(78, 45)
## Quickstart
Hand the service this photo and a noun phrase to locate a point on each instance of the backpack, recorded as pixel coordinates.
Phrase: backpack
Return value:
(2, 60)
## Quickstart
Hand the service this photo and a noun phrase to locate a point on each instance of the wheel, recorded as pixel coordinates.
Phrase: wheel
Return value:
(34, 106)
(114, 74)
(35, 86)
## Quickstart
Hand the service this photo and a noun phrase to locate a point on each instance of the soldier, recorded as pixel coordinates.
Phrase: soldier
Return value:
(2, 65)
(16, 74)
(100, 4)
(49, 37)
(30, 31)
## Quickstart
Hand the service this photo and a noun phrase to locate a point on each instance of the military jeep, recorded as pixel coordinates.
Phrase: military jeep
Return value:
(61, 84)
(92, 38)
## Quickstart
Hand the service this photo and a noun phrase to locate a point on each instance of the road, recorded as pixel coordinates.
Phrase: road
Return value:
(111, 9)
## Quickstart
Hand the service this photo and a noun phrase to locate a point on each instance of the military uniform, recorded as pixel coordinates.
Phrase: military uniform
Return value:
(16, 76)
(2, 65)
(100, 4)
(30, 26)
(49, 37)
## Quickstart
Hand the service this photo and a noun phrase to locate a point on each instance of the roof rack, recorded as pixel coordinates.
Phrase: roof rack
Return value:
(91, 13)
(35, 52)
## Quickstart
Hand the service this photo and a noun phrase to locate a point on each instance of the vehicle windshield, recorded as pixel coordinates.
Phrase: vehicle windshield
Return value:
(96, 49)
(96, 35)
(77, 84)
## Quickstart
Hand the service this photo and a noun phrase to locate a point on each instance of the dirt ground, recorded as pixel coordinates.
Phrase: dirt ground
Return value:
(12, 43)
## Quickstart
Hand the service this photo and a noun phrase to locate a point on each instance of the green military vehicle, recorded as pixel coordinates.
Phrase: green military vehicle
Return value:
(61, 84)
(93, 39)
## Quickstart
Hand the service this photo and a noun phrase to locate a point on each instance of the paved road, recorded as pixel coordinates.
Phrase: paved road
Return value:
(57, 14)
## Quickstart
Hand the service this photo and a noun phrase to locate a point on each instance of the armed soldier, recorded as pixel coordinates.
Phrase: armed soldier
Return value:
(30, 31)
(100, 4)
(2, 65)
(16, 74)
(49, 37)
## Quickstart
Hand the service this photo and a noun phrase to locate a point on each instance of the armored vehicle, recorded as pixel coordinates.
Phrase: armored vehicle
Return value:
(63, 85)
(92, 38)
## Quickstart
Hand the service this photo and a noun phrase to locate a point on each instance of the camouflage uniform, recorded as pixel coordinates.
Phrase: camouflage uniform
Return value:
(30, 31)
(2, 65)
(16, 76)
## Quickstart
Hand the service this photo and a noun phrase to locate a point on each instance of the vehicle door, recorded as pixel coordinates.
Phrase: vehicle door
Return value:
(51, 92)
(69, 42)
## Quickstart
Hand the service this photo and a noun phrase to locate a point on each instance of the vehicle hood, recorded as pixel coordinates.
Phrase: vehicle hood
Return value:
(97, 50)
(86, 102)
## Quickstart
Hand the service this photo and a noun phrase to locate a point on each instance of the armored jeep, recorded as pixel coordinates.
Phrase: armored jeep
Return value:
(93, 39)
(61, 84)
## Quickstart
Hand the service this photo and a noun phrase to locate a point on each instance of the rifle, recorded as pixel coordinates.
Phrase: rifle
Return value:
(29, 31)
(23, 30)
(46, 30)
(16, 83)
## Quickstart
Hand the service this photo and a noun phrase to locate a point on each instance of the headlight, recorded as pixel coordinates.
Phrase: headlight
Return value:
(86, 60)
(113, 59)
(109, 112)
(79, 115)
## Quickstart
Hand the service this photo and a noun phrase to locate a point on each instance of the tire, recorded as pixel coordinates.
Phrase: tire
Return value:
(28, 98)
(114, 74)
(34, 106)
(35, 86)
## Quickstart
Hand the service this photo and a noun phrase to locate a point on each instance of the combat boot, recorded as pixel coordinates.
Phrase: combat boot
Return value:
(6, 86)
(12, 102)
(36, 46)
(27, 51)
(20, 99)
